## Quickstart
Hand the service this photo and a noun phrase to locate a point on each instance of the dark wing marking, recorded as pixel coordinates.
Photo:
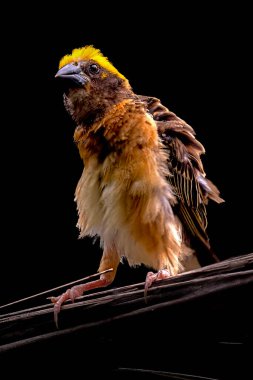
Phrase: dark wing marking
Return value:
(187, 179)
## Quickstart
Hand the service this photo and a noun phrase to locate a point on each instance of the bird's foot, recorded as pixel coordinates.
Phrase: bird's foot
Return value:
(153, 277)
(70, 294)
(74, 292)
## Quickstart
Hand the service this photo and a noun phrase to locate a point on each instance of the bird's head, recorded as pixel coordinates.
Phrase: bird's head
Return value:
(93, 84)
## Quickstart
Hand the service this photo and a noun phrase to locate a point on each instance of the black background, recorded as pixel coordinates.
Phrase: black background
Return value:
(198, 66)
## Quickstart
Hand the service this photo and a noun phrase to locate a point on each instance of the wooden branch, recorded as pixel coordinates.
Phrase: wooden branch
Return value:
(118, 306)
(163, 374)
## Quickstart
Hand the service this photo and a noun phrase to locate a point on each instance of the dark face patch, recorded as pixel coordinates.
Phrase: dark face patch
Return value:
(102, 90)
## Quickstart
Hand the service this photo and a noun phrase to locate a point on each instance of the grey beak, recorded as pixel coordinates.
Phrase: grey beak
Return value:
(73, 73)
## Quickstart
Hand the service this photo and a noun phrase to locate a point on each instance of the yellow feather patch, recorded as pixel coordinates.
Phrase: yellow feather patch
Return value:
(90, 53)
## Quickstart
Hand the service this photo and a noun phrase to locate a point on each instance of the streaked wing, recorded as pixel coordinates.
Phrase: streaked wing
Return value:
(188, 179)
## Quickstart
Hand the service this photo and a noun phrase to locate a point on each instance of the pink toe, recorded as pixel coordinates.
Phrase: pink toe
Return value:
(162, 274)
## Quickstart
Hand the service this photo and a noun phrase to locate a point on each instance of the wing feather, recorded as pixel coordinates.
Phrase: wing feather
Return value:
(188, 179)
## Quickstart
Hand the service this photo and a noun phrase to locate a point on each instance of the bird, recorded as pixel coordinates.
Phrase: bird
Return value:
(143, 190)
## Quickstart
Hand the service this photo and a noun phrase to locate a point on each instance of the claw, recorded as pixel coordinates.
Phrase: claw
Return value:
(153, 277)
(75, 292)
(149, 281)
(57, 304)
(56, 312)
(57, 308)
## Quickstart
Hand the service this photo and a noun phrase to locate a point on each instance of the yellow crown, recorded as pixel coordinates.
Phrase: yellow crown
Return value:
(90, 53)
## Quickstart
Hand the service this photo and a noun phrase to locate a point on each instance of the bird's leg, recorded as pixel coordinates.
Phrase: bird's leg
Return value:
(110, 259)
(153, 277)
(77, 291)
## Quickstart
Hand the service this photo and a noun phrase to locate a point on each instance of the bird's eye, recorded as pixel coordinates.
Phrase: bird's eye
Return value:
(94, 69)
